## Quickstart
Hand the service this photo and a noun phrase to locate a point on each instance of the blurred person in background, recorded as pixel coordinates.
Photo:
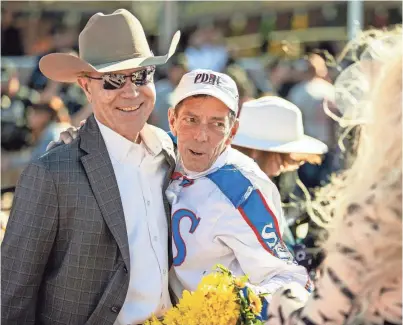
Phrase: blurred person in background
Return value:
(15, 135)
(62, 39)
(271, 132)
(164, 91)
(71, 94)
(206, 50)
(280, 76)
(246, 88)
(361, 280)
(44, 121)
(41, 29)
(15, 98)
(11, 35)
(309, 96)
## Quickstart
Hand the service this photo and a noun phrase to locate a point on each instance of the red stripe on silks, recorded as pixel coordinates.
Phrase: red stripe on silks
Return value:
(176, 175)
(259, 238)
(271, 212)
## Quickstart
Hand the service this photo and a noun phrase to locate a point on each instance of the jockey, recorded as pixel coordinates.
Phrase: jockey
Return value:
(225, 209)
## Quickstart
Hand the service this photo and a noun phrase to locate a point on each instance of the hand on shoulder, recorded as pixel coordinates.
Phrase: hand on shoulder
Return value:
(66, 136)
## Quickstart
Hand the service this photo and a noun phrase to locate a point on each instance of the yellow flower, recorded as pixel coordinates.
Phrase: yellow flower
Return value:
(153, 321)
(255, 303)
(216, 301)
(172, 316)
(215, 279)
(240, 283)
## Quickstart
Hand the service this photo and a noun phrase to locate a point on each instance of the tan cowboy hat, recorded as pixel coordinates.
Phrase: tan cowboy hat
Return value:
(107, 43)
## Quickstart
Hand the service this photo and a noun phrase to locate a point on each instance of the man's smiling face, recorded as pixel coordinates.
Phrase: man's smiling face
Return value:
(123, 110)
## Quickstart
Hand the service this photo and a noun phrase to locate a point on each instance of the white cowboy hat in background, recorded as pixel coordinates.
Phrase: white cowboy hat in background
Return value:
(107, 43)
(274, 124)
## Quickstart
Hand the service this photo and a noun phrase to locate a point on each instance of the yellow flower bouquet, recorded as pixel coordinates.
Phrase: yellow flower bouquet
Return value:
(220, 299)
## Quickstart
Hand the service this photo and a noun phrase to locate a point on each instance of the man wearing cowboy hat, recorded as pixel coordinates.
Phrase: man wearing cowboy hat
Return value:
(87, 238)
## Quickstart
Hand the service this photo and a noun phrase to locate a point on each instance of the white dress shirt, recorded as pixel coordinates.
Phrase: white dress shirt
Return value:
(140, 173)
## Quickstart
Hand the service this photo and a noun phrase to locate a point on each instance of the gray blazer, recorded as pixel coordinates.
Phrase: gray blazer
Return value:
(65, 253)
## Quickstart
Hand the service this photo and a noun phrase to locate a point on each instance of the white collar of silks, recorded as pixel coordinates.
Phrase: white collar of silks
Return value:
(174, 189)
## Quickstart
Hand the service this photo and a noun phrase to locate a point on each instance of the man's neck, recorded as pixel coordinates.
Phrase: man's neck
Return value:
(135, 139)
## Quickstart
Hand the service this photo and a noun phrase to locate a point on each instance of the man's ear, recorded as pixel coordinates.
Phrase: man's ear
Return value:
(233, 131)
(172, 120)
(84, 84)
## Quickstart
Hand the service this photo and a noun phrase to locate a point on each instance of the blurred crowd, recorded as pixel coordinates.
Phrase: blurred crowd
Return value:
(35, 111)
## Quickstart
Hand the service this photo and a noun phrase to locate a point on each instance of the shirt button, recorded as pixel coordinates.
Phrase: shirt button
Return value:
(115, 309)
(148, 202)
(163, 306)
(164, 271)
(155, 238)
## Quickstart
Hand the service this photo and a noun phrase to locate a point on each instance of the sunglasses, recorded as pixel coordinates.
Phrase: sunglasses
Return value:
(113, 81)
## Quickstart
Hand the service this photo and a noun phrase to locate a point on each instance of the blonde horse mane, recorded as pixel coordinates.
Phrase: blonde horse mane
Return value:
(374, 181)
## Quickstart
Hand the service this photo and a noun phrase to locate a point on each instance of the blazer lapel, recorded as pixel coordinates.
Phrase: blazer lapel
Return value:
(101, 175)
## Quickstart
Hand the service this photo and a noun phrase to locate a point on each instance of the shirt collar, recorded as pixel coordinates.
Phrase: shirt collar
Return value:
(151, 140)
(220, 161)
(120, 147)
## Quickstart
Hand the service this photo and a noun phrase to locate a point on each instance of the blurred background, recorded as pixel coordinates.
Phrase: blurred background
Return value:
(267, 47)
